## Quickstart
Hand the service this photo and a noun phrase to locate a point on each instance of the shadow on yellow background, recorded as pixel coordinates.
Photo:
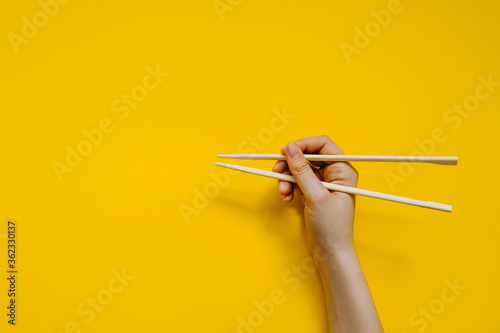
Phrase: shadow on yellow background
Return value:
(123, 222)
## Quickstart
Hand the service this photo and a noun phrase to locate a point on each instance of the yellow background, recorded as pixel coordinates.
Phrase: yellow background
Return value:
(120, 208)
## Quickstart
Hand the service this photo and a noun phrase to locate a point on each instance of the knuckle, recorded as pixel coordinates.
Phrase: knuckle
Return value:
(326, 138)
(301, 168)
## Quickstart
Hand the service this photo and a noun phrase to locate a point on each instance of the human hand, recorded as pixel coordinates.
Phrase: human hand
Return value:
(329, 215)
(329, 220)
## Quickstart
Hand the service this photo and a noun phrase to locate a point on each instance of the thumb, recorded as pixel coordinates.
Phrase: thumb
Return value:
(303, 174)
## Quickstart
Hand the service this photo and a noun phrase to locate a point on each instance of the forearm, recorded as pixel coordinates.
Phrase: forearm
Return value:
(349, 302)
(329, 225)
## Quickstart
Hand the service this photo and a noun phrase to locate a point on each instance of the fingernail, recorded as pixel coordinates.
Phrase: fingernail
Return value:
(293, 150)
(282, 186)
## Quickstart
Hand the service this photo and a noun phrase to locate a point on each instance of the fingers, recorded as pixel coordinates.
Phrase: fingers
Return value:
(303, 174)
(280, 166)
(285, 188)
(318, 145)
(288, 197)
(307, 175)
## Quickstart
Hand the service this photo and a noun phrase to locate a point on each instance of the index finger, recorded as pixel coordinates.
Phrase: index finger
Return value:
(318, 145)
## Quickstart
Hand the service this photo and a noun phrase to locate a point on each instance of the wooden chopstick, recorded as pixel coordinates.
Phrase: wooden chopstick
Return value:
(342, 188)
(443, 160)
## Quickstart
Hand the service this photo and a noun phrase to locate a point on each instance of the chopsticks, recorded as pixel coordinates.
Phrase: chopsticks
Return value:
(443, 160)
(342, 188)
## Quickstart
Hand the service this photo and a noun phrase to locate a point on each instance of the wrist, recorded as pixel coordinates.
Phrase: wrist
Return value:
(335, 256)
